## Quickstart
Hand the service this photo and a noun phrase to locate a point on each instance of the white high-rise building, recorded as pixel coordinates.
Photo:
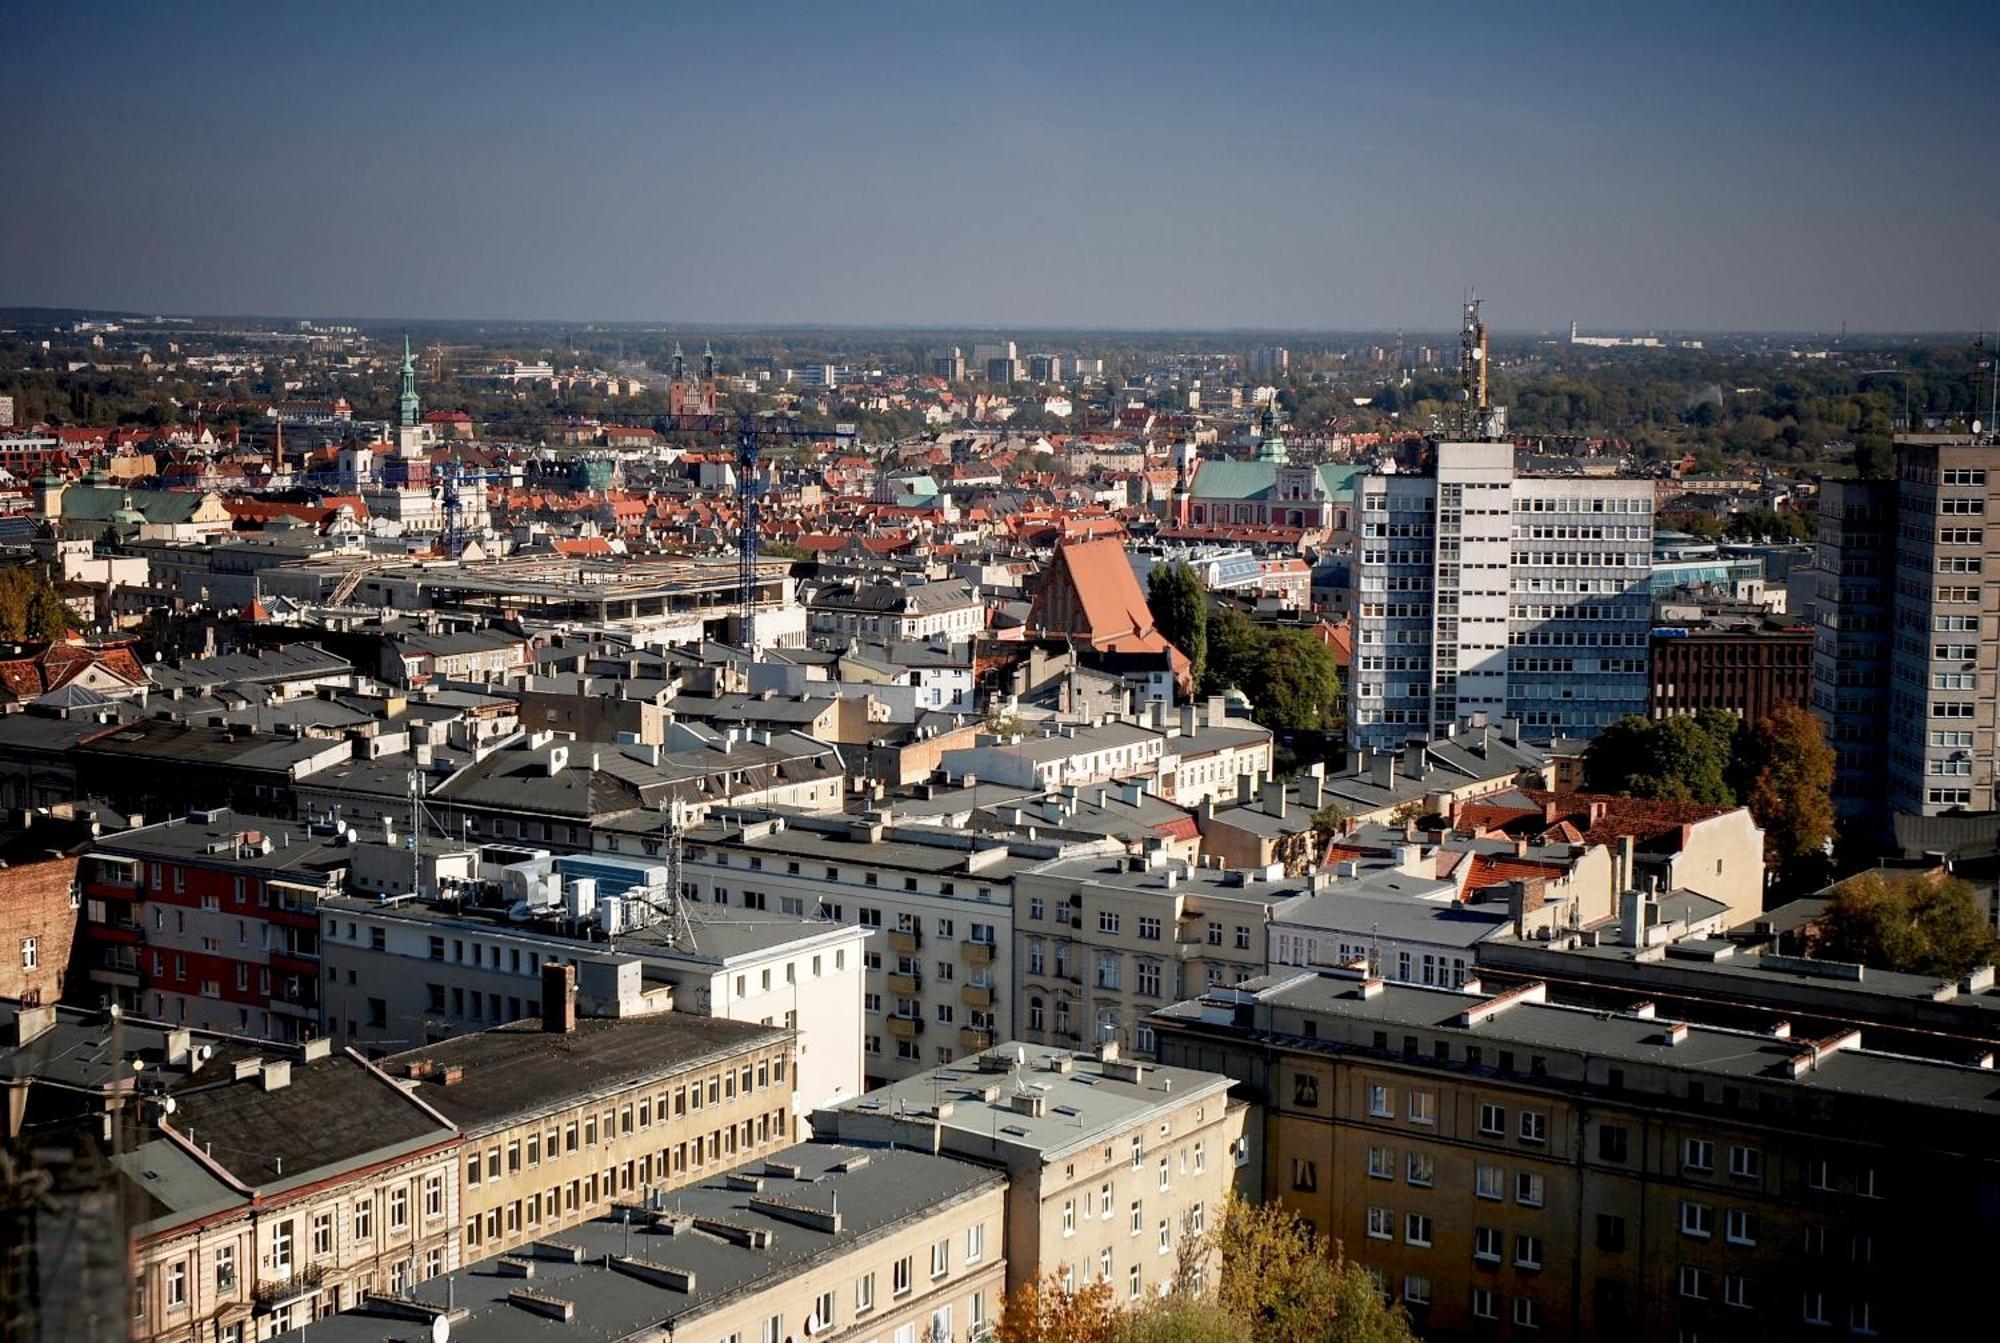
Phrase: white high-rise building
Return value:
(1482, 590)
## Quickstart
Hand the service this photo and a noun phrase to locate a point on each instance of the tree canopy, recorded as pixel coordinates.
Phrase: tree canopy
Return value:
(1291, 677)
(1920, 923)
(1180, 610)
(31, 609)
(1259, 1276)
(1781, 769)
(1674, 759)
(1789, 768)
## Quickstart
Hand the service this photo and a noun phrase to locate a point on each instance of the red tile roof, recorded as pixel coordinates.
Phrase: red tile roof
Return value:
(1604, 818)
(1497, 870)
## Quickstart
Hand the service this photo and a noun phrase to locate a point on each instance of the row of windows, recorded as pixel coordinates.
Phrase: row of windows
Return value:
(582, 1193)
(624, 1121)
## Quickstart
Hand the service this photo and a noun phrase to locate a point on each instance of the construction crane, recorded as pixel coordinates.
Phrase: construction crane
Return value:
(751, 431)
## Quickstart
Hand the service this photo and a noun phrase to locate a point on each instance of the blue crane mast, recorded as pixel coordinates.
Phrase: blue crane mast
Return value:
(751, 431)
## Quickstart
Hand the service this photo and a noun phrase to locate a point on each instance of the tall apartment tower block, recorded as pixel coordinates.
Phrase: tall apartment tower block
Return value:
(1479, 589)
(1851, 613)
(1906, 672)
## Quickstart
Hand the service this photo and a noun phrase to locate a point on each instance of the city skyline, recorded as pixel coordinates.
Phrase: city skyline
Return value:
(1165, 169)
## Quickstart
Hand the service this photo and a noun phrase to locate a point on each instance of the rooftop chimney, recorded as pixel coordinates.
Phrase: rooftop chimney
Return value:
(1274, 798)
(558, 998)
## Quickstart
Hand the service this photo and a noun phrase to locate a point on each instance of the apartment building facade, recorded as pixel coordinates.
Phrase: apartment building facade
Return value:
(935, 908)
(1852, 610)
(418, 971)
(818, 1240)
(564, 1118)
(1908, 645)
(1103, 941)
(233, 1188)
(1510, 1168)
(1111, 1163)
(304, 1218)
(1482, 589)
(211, 921)
(1944, 659)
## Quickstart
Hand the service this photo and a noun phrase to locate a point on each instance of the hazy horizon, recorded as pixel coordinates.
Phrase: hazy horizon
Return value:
(726, 326)
(1283, 169)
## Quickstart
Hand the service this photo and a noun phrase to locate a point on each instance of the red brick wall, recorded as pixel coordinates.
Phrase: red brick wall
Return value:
(35, 903)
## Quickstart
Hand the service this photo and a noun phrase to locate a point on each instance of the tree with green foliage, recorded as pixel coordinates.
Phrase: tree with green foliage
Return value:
(31, 610)
(1332, 819)
(1297, 684)
(1180, 610)
(1233, 639)
(1674, 759)
(1920, 923)
(1789, 768)
(1290, 677)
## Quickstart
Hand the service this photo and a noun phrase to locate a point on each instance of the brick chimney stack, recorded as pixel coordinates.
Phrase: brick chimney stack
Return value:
(558, 998)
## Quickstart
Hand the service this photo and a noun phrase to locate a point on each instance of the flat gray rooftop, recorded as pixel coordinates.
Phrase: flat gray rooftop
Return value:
(1084, 1103)
(697, 1230)
(1345, 1017)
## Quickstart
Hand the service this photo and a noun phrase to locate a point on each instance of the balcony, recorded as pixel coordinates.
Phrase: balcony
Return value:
(979, 996)
(905, 941)
(976, 953)
(121, 930)
(295, 897)
(905, 1028)
(974, 1040)
(296, 962)
(905, 985)
(275, 1292)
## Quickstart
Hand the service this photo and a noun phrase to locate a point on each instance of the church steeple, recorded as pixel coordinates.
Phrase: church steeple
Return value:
(708, 361)
(1272, 446)
(408, 409)
(679, 363)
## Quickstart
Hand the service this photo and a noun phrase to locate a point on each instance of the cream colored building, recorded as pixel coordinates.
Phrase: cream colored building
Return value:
(1111, 1162)
(564, 1118)
(1204, 763)
(1102, 942)
(272, 1216)
(818, 1241)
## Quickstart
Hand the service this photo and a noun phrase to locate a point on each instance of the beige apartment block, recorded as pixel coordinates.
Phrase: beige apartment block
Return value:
(269, 1215)
(1102, 942)
(1507, 1167)
(818, 1241)
(563, 1118)
(1111, 1162)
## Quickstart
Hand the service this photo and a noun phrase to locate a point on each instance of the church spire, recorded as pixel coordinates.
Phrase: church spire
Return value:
(408, 408)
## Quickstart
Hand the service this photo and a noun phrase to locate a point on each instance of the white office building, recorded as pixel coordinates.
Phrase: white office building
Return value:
(1479, 589)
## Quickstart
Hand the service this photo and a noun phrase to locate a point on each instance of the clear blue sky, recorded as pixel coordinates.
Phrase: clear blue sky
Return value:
(1322, 166)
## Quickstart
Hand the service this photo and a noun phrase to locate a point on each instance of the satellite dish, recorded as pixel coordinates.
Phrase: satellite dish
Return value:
(440, 1329)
